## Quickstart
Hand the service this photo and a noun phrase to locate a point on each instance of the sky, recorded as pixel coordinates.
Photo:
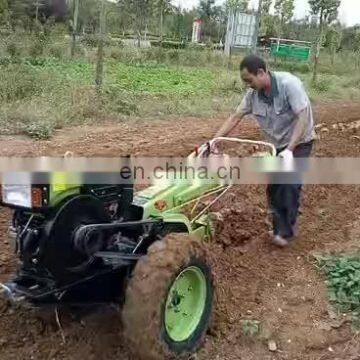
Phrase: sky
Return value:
(349, 12)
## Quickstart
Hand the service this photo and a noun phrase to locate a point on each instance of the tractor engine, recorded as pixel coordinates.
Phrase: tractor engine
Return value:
(72, 242)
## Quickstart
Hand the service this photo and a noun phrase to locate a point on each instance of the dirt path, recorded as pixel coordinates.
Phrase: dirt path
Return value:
(281, 289)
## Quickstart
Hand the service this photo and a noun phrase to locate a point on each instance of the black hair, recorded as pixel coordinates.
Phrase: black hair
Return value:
(253, 64)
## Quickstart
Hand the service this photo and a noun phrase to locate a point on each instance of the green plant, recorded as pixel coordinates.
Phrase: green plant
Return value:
(56, 52)
(38, 130)
(119, 101)
(250, 327)
(343, 281)
(19, 83)
(13, 50)
(322, 85)
(37, 48)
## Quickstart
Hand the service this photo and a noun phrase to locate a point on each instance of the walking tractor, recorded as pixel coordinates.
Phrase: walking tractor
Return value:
(103, 243)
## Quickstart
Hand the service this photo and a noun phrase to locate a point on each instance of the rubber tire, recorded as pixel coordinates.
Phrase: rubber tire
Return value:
(143, 312)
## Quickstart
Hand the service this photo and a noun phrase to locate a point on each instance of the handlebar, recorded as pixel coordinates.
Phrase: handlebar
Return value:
(208, 145)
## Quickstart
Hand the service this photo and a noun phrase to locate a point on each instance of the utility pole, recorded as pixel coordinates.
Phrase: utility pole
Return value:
(75, 26)
(100, 55)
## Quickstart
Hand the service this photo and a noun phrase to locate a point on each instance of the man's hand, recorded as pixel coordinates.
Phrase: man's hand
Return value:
(288, 159)
(206, 149)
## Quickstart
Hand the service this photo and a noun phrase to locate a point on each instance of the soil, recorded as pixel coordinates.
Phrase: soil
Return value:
(280, 289)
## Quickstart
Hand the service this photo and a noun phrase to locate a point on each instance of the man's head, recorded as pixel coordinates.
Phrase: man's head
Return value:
(254, 73)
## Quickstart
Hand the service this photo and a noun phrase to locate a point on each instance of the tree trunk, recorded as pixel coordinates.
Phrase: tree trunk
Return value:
(100, 55)
(318, 47)
(75, 24)
(138, 39)
(161, 26)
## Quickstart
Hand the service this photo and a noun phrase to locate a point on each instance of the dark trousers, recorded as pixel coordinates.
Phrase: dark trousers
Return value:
(284, 199)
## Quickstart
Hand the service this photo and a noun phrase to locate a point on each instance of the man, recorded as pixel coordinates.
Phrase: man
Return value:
(282, 108)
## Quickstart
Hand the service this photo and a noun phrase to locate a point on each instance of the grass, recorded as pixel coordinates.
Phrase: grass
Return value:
(160, 79)
(343, 281)
(41, 93)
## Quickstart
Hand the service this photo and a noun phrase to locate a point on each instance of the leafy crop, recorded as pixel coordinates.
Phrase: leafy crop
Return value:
(343, 281)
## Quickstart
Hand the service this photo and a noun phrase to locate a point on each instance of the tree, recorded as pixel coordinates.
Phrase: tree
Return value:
(357, 48)
(265, 6)
(140, 11)
(180, 23)
(27, 13)
(267, 21)
(327, 10)
(333, 41)
(162, 7)
(100, 54)
(348, 37)
(284, 10)
(118, 17)
(237, 5)
(89, 15)
(220, 18)
(74, 27)
(4, 12)
(18, 10)
(206, 9)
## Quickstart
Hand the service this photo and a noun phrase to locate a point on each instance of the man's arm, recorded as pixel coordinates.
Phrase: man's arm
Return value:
(230, 124)
(243, 109)
(299, 103)
(299, 130)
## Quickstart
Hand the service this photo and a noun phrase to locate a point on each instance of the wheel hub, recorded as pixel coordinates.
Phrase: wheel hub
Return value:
(185, 304)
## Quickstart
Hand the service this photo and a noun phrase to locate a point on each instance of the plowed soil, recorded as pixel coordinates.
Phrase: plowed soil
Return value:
(281, 290)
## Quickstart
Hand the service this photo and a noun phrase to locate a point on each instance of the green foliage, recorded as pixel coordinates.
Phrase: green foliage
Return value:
(290, 66)
(38, 130)
(250, 327)
(90, 40)
(168, 44)
(333, 38)
(18, 84)
(37, 48)
(343, 281)
(119, 101)
(161, 80)
(237, 5)
(322, 85)
(284, 9)
(13, 50)
(327, 9)
(357, 42)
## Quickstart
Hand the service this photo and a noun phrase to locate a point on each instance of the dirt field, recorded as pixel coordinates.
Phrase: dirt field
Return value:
(281, 289)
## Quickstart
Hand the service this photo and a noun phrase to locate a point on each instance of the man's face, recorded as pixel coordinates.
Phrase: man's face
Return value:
(256, 82)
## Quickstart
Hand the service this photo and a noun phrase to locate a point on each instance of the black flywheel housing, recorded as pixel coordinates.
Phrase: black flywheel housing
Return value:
(60, 254)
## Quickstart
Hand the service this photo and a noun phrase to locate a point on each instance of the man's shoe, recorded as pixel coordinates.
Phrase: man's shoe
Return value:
(280, 241)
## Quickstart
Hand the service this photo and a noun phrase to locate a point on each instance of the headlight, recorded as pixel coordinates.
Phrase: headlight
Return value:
(18, 195)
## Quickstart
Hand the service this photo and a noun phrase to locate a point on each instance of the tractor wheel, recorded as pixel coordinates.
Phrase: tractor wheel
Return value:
(168, 304)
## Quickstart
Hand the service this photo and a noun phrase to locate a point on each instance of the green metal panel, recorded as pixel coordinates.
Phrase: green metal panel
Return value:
(291, 51)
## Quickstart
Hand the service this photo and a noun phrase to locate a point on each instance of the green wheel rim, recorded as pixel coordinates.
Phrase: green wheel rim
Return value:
(185, 304)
